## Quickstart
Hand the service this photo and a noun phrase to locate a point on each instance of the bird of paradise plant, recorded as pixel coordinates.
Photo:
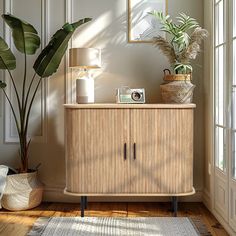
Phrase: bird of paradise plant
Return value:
(27, 41)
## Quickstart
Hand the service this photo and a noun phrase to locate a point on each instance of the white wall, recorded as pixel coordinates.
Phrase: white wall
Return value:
(135, 65)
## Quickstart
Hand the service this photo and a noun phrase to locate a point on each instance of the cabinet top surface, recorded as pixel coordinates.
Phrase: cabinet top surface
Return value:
(128, 106)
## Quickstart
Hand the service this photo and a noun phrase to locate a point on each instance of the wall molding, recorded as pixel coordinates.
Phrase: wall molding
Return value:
(7, 111)
(232, 200)
(68, 71)
(207, 202)
(9, 124)
(1, 98)
(223, 222)
(206, 199)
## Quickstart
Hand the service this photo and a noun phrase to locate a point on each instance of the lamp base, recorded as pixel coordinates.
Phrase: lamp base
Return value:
(85, 90)
(83, 99)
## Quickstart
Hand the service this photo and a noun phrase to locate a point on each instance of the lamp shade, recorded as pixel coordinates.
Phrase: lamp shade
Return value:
(85, 58)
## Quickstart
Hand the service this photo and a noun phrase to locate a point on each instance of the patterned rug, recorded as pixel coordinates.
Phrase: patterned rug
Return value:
(109, 226)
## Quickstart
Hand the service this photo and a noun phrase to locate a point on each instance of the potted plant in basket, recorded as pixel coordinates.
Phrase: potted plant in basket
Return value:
(23, 190)
(181, 47)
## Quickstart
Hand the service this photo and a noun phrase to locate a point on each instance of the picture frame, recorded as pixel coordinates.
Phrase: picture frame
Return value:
(142, 27)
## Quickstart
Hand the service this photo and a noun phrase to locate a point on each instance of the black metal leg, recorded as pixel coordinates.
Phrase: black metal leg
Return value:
(82, 205)
(85, 202)
(175, 206)
(171, 205)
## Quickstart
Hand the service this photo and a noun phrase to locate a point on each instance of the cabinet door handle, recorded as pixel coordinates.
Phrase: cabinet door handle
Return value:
(125, 151)
(134, 151)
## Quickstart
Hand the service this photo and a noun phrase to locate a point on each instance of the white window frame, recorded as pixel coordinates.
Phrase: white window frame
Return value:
(224, 179)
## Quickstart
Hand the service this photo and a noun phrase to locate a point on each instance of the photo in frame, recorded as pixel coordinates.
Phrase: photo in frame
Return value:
(142, 27)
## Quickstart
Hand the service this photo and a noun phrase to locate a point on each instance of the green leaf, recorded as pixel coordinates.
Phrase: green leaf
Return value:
(2, 85)
(7, 58)
(182, 68)
(49, 59)
(24, 35)
(186, 22)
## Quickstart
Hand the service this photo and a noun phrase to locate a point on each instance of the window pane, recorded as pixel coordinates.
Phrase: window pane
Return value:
(219, 83)
(216, 24)
(219, 23)
(234, 21)
(234, 62)
(234, 90)
(234, 157)
(234, 108)
(216, 86)
(220, 148)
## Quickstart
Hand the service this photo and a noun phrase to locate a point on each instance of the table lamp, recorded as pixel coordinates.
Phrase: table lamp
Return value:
(85, 59)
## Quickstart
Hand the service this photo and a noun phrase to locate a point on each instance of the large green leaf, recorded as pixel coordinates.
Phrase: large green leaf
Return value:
(49, 60)
(7, 58)
(24, 35)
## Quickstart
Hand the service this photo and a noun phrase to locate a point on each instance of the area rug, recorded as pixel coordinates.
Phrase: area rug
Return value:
(109, 226)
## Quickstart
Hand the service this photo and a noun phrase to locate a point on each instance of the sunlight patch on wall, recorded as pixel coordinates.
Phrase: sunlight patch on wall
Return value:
(92, 30)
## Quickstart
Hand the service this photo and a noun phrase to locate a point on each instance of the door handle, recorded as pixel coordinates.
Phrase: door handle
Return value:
(125, 151)
(134, 151)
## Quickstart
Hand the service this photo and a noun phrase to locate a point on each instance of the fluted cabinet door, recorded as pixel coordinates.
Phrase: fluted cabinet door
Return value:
(161, 151)
(95, 161)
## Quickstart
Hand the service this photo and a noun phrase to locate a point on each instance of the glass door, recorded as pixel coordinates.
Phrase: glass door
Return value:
(225, 109)
(232, 69)
(221, 101)
(220, 86)
(233, 46)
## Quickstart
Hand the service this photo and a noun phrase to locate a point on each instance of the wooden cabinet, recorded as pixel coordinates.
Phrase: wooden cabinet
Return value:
(163, 142)
(96, 140)
(138, 149)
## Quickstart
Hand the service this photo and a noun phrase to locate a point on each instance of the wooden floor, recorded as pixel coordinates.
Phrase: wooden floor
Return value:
(19, 223)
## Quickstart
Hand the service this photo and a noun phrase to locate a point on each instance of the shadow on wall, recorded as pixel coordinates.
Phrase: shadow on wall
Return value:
(49, 149)
(132, 64)
(51, 155)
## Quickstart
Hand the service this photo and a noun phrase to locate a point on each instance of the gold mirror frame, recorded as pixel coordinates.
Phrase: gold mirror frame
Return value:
(130, 40)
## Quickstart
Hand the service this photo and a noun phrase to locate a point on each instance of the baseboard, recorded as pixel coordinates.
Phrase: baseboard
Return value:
(55, 194)
(226, 226)
(206, 199)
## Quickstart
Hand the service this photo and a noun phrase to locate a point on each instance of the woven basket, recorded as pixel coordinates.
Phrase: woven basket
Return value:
(22, 192)
(177, 92)
(177, 88)
(177, 77)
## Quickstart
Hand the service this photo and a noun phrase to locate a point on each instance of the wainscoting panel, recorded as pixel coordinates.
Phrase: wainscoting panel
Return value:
(69, 81)
(232, 216)
(221, 194)
(33, 12)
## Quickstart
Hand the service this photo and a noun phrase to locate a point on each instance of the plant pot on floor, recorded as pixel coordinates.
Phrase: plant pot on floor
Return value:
(177, 88)
(22, 192)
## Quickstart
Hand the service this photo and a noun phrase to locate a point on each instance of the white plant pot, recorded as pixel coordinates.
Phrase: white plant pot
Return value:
(22, 192)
